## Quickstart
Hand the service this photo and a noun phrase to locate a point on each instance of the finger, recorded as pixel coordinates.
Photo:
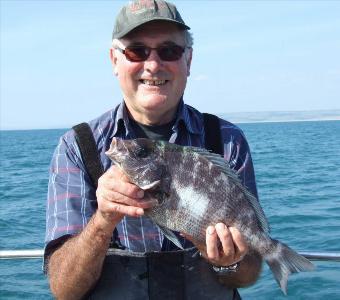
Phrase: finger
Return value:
(112, 210)
(115, 172)
(113, 196)
(116, 181)
(199, 245)
(226, 240)
(240, 244)
(127, 189)
(118, 172)
(124, 209)
(123, 185)
(212, 244)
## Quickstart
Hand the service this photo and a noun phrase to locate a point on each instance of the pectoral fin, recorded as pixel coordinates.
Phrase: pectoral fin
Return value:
(171, 236)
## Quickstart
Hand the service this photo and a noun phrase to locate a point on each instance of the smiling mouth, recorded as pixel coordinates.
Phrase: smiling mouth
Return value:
(153, 82)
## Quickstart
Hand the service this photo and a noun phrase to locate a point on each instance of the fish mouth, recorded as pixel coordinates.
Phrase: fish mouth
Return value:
(116, 151)
(151, 186)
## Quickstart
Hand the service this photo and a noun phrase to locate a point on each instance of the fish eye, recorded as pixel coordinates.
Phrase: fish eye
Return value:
(142, 152)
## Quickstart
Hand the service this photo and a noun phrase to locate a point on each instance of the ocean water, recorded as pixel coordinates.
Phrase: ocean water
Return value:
(297, 168)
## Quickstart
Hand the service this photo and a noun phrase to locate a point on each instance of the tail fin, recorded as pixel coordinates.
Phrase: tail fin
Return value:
(284, 261)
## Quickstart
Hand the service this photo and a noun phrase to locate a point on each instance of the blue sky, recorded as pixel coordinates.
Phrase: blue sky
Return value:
(248, 56)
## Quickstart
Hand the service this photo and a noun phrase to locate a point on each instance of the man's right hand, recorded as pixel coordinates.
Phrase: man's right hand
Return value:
(80, 258)
(117, 196)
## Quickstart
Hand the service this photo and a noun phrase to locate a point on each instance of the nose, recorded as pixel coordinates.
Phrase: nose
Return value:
(153, 62)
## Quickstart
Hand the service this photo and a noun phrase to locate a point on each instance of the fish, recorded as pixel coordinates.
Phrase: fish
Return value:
(196, 188)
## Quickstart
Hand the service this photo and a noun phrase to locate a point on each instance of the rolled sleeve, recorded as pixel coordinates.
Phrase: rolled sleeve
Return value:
(71, 197)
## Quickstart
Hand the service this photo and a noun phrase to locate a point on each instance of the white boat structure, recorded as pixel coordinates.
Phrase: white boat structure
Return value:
(39, 253)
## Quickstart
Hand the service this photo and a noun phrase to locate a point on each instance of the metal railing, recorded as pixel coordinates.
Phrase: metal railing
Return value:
(321, 256)
(18, 254)
(39, 253)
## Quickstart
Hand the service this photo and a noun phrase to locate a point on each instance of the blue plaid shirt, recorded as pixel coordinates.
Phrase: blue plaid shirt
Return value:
(72, 200)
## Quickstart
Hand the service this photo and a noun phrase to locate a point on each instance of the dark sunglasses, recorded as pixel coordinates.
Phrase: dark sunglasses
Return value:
(138, 53)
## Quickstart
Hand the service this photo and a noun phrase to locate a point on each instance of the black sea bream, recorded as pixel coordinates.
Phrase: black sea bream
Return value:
(196, 188)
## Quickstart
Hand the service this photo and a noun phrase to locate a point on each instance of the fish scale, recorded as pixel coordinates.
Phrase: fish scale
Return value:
(196, 188)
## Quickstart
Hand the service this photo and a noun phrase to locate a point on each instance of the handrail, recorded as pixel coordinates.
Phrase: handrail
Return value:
(18, 254)
(39, 253)
(321, 256)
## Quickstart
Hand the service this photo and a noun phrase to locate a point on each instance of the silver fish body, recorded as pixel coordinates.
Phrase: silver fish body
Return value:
(195, 189)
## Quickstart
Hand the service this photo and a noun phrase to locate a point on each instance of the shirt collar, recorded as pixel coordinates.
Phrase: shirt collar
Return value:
(121, 120)
(183, 116)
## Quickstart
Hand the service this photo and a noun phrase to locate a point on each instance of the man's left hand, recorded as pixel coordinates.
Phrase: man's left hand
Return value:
(224, 246)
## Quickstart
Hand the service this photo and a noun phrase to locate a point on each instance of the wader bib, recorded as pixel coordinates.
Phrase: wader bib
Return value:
(177, 275)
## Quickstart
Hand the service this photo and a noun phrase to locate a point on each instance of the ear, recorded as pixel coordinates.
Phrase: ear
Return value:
(113, 59)
(188, 60)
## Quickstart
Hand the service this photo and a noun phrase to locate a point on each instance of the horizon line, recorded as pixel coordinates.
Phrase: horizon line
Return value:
(235, 122)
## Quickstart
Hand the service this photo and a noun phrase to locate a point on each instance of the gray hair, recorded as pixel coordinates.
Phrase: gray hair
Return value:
(189, 39)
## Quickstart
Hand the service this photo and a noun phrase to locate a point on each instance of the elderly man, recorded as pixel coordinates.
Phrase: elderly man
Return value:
(151, 56)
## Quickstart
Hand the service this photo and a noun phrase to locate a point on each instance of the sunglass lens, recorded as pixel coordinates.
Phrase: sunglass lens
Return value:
(141, 53)
(170, 53)
(137, 53)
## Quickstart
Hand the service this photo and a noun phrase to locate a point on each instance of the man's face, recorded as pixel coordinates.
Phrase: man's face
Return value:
(152, 88)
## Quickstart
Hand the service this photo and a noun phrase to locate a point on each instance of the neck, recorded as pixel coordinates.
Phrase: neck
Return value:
(152, 118)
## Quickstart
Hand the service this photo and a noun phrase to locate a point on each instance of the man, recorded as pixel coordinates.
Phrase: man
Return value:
(151, 57)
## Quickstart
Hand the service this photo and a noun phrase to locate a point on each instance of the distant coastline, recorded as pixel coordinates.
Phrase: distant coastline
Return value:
(244, 117)
(282, 116)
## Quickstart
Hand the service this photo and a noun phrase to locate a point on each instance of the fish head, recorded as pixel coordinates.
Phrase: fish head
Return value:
(140, 159)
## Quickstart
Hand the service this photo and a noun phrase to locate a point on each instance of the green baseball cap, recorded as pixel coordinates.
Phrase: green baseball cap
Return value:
(139, 12)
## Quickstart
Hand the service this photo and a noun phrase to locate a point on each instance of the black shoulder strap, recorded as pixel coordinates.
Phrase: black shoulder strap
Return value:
(88, 151)
(92, 162)
(212, 134)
